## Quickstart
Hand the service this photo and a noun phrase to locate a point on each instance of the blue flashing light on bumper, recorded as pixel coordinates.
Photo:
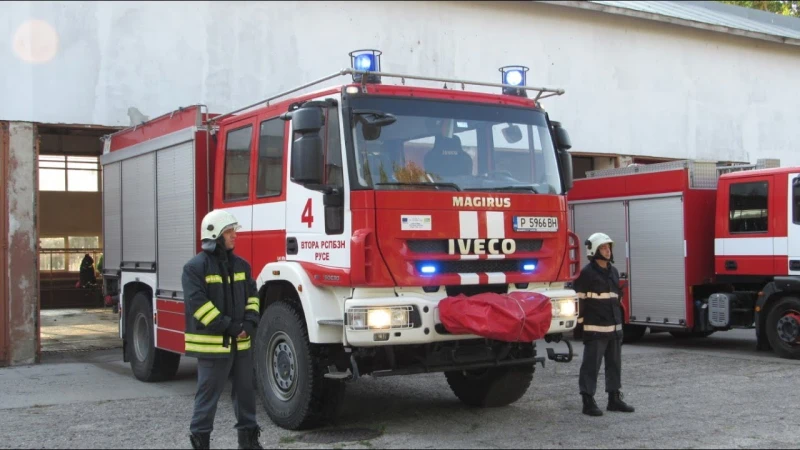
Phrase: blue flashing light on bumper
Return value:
(427, 269)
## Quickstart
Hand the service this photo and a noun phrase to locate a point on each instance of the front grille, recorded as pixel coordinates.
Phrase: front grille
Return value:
(485, 265)
(429, 246)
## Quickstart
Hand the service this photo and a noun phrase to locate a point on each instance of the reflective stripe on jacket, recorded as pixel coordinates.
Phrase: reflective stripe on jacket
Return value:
(215, 298)
(600, 311)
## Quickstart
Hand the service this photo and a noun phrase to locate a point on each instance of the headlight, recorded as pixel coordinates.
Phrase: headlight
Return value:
(379, 318)
(564, 308)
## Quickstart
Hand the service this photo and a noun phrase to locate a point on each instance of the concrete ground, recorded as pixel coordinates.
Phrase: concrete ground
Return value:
(79, 329)
(716, 392)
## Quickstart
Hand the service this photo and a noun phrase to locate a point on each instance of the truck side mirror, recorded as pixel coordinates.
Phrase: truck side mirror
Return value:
(562, 137)
(307, 156)
(566, 168)
(563, 144)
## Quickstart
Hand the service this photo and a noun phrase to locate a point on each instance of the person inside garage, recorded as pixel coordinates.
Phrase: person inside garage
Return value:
(600, 322)
(222, 313)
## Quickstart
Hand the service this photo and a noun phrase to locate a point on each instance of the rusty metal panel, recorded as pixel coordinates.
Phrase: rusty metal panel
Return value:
(22, 234)
(4, 352)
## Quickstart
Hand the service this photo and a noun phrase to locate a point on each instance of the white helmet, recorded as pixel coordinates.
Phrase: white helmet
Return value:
(215, 223)
(595, 241)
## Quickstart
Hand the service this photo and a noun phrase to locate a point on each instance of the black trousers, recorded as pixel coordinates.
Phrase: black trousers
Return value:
(594, 351)
(212, 375)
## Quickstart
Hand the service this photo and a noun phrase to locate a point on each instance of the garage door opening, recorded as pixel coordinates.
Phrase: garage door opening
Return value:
(73, 313)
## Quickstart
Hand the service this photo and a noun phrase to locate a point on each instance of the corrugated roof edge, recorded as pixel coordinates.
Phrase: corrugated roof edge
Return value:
(591, 6)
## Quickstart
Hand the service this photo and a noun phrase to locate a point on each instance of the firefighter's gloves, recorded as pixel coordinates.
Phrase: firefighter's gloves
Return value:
(249, 328)
(234, 329)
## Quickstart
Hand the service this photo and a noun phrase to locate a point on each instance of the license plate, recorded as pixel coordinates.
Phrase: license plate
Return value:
(529, 223)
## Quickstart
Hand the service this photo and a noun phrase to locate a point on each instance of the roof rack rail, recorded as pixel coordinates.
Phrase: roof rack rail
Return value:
(203, 112)
(541, 91)
(702, 174)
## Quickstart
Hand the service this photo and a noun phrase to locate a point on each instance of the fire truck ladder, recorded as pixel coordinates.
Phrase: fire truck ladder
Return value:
(541, 91)
(702, 174)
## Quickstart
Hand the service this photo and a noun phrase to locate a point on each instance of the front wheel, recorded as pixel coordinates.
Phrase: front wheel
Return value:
(783, 328)
(492, 387)
(147, 362)
(289, 372)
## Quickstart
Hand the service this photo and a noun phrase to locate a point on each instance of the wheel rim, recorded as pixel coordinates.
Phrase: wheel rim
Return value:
(282, 366)
(141, 338)
(789, 328)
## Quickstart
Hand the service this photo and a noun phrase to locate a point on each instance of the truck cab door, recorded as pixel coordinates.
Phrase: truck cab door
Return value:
(747, 242)
(318, 225)
(793, 217)
(234, 184)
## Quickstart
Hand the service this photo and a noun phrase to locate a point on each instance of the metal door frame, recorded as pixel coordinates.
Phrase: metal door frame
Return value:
(629, 268)
(631, 284)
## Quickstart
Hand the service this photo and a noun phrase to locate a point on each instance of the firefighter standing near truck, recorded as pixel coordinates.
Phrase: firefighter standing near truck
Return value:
(222, 313)
(600, 322)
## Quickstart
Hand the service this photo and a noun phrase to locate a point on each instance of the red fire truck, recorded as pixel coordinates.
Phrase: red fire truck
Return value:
(362, 207)
(705, 247)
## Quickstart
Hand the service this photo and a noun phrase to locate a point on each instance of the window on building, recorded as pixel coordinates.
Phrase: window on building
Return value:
(83, 243)
(749, 207)
(270, 158)
(65, 253)
(237, 164)
(69, 173)
(581, 165)
(49, 259)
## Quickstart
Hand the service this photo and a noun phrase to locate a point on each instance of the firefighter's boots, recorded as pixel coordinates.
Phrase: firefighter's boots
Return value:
(590, 407)
(615, 403)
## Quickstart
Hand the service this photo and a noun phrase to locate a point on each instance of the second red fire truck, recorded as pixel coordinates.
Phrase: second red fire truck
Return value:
(364, 208)
(704, 247)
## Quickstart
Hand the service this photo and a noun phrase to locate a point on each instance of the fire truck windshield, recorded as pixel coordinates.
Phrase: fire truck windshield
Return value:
(416, 144)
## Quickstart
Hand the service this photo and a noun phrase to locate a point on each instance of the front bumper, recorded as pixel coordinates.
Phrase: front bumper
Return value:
(424, 325)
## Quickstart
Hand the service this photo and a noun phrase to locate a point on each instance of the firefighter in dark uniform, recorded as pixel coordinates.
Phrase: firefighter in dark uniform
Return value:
(222, 313)
(600, 324)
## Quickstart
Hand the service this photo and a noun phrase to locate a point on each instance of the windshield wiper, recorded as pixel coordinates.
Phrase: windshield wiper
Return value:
(434, 184)
(507, 188)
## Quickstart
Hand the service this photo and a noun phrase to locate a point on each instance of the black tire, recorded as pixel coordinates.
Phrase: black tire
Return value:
(490, 388)
(633, 333)
(778, 310)
(690, 334)
(147, 362)
(298, 396)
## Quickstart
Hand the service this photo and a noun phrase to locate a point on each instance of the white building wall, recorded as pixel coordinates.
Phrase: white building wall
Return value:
(633, 86)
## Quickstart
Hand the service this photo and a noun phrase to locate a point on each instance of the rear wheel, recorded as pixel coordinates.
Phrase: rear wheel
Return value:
(290, 375)
(492, 387)
(147, 362)
(783, 328)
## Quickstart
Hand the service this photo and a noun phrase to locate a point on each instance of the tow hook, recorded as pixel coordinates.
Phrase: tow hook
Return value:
(335, 374)
(559, 357)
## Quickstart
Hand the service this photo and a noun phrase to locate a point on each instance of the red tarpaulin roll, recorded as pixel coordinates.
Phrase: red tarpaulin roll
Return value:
(514, 317)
